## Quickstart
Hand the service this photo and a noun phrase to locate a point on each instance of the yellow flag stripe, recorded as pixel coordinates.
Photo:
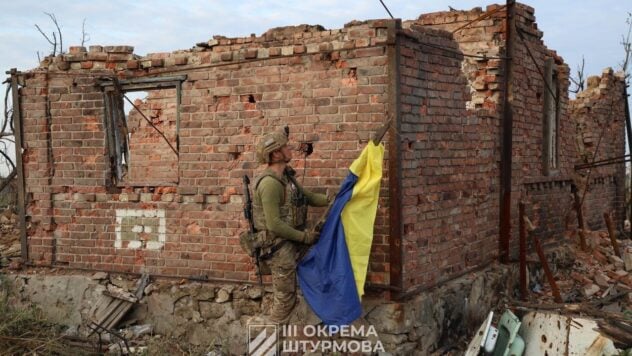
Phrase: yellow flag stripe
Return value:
(358, 215)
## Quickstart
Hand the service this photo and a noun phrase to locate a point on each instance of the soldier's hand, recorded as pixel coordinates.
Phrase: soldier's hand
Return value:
(310, 237)
(319, 226)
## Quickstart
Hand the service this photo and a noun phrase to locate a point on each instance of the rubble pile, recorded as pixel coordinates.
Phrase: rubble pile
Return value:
(9, 238)
(599, 271)
(593, 274)
(594, 282)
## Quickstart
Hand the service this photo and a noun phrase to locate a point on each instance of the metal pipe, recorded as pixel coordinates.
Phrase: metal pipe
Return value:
(604, 162)
(201, 278)
(580, 217)
(613, 237)
(547, 271)
(396, 229)
(628, 127)
(523, 251)
(507, 141)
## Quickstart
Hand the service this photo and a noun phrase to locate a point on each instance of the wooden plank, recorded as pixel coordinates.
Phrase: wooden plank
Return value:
(140, 290)
(104, 306)
(17, 126)
(121, 310)
(118, 295)
(580, 217)
(547, 271)
(613, 237)
(115, 303)
(108, 316)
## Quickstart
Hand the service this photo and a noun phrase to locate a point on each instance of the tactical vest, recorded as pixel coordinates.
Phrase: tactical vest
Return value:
(293, 209)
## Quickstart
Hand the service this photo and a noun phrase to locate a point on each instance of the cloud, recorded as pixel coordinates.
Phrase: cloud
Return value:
(589, 28)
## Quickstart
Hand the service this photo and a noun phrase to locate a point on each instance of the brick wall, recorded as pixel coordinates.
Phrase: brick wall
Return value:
(332, 87)
(599, 116)
(328, 86)
(461, 133)
(545, 190)
(448, 163)
(487, 37)
(63, 148)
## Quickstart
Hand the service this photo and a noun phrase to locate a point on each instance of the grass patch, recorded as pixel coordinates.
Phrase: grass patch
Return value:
(26, 331)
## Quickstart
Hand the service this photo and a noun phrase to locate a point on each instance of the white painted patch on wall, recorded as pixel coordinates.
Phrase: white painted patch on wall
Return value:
(140, 229)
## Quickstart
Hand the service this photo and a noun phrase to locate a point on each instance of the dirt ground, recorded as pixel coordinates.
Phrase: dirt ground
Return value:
(594, 278)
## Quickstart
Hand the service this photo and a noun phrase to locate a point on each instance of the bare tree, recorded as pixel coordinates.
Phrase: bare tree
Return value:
(626, 42)
(53, 38)
(85, 37)
(6, 133)
(580, 80)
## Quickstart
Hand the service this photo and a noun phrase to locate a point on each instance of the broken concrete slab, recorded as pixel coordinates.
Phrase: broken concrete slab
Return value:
(602, 280)
(627, 259)
(589, 290)
(616, 261)
(99, 276)
(554, 334)
(59, 296)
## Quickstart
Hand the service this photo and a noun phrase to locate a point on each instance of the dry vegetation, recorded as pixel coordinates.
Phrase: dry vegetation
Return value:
(26, 331)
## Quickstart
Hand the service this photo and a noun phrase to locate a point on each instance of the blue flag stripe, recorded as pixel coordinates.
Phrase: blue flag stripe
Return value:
(325, 274)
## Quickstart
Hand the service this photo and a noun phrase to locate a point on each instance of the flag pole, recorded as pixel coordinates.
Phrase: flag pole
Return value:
(377, 139)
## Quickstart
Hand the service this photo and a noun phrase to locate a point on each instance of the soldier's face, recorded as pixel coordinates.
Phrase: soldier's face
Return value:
(287, 153)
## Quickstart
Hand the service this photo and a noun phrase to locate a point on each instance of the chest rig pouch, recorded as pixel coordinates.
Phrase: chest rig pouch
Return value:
(293, 209)
(299, 203)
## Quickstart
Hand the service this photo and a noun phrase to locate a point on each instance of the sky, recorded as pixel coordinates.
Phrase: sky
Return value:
(574, 28)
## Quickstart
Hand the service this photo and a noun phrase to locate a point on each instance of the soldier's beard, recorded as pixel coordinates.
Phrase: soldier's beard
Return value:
(283, 159)
(286, 159)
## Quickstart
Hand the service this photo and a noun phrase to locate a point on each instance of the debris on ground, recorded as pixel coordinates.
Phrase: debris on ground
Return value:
(26, 331)
(9, 239)
(595, 317)
(541, 333)
(597, 272)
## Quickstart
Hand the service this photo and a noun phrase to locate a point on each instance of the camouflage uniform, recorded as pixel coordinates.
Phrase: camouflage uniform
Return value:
(280, 209)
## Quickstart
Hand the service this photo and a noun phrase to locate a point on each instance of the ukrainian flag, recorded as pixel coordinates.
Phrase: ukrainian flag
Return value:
(333, 272)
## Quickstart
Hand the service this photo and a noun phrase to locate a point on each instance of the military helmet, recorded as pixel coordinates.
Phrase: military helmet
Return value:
(270, 143)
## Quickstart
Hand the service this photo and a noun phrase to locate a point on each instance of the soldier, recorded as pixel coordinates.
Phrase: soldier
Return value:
(280, 209)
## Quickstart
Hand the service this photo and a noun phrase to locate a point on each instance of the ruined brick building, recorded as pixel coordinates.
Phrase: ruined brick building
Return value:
(108, 188)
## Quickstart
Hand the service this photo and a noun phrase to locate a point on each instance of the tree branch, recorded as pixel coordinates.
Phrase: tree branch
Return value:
(61, 42)
(43, 34)
(580, 81)
(85, 37)
(627, 45)
(53, 38)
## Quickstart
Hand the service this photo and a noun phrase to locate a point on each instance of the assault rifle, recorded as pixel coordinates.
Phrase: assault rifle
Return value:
(251, 223)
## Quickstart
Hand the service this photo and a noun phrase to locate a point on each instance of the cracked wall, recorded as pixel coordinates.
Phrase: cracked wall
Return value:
(331, 87)
(328, 86)
(599, 116)
(452, 123)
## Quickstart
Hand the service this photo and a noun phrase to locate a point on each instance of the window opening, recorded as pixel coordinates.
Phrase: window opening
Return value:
(142, 122)
(551, 118)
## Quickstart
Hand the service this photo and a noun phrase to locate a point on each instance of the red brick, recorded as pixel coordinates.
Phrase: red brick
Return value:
(449, 141)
